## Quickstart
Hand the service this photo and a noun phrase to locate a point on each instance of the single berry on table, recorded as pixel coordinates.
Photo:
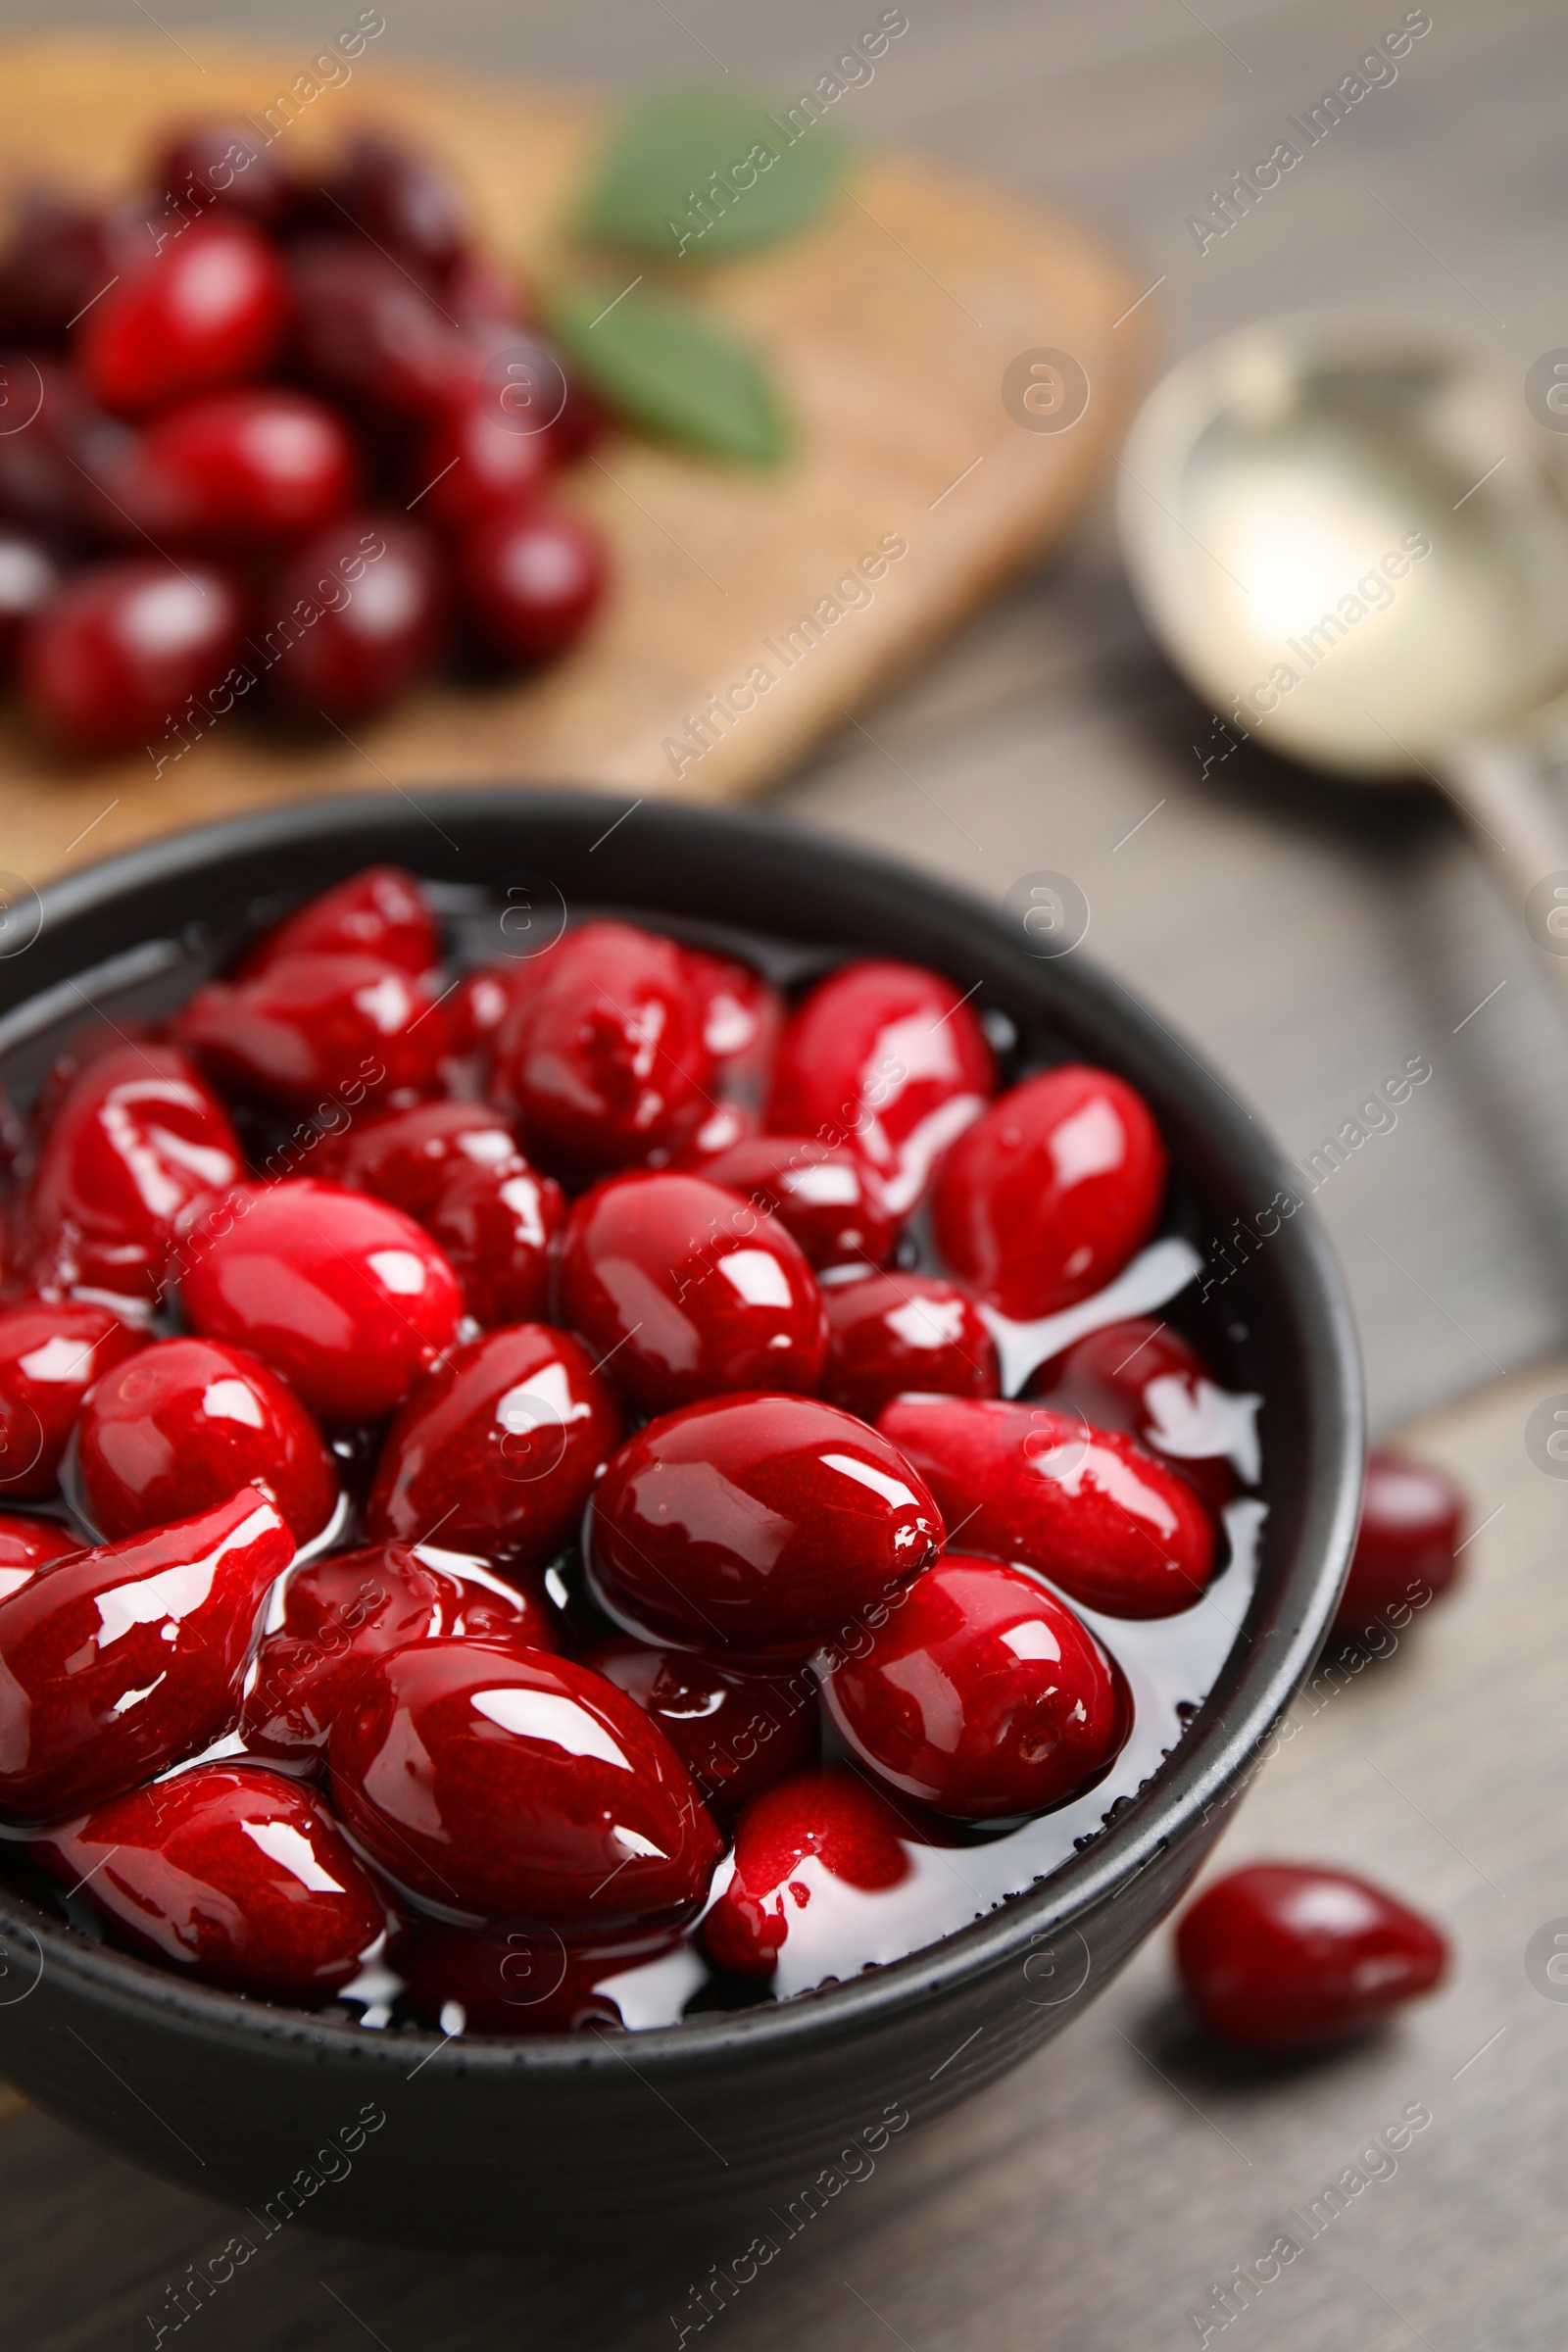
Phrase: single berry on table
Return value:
(1289, 1956)
(361, 611)
(1407, 1546)
(533, 576)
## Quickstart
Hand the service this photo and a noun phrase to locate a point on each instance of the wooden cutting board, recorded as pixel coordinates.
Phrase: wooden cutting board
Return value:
(890, 325)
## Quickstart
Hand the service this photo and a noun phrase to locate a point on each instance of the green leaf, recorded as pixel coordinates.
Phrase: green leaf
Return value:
(665, 367)
(705, 173)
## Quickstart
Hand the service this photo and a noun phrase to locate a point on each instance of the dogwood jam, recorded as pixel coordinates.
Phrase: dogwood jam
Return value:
(1168, 1664)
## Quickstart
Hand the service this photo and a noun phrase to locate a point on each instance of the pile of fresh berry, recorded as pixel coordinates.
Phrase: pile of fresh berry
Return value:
(602, 1247)
(268, 444)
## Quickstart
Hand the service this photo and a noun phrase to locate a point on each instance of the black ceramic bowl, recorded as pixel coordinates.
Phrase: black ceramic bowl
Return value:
(495, 2144)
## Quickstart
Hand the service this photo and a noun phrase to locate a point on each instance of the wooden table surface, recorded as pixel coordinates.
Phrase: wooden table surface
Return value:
(1312, 938)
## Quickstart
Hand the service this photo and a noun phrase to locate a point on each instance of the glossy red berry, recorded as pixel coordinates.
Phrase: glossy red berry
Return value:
(228, 168)
(353, 1605)
(402, 204)
(891, 1058)
(472, 464)
(380, 911)
(516, 1981)
(1045, 1198)
(528, 385)
(736, 1733)
(51, 1351)
(490, 1780)
(1113, 1527)
(686, 1292)
(384, 1594)
(407, 1157)
(29, 576)
(208, 308)
(367, 334)
(483, 292)
(582, 417)
(477, 1006)
(497, 1450)
(231, 1874)
(797, 1846)
(111, 660)
(371, 595)
(137, 1137)
(87, 1045)
(343, 1295)
(258, 466)
(456, 1170)
(1407, 1550)
(130, 1656)
(28, 1547)
(981, 1696)
(176, 1430)
(291, 1694)
(58, 446)
(824, 1194)
(310, 1026)
(743, 1020)
(605, 1060)
(497, 1226)
(533, 576)
(1143, 1377)
(55, 260)
(1285, 1956)
(894, 1332)
(722, 1128)
(763, 1524)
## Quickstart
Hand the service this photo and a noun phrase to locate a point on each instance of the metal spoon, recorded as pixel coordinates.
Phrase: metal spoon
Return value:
(1351, 536)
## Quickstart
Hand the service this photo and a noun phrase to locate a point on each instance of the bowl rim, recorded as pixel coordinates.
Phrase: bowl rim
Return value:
(1196, 1778)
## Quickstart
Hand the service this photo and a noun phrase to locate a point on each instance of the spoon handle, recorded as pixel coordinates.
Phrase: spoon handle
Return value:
(1521, 819)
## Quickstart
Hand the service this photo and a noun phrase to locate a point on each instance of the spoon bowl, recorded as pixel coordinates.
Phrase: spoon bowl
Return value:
(1348, 534)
